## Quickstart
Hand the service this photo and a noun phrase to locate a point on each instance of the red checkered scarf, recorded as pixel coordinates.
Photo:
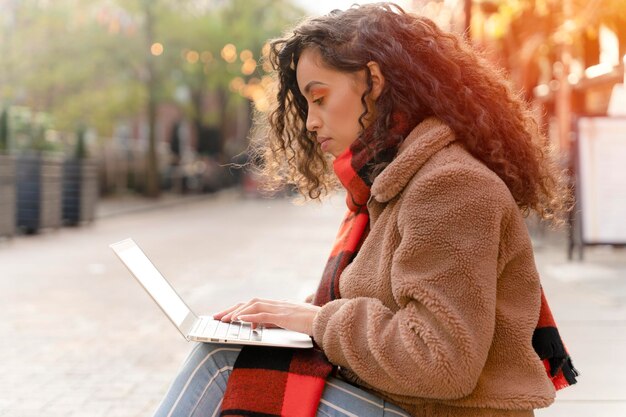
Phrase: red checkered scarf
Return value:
(268, 382)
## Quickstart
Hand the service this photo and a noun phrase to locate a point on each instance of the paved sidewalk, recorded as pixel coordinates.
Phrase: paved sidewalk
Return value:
(79, 338)
(134, 203)
(588, 299)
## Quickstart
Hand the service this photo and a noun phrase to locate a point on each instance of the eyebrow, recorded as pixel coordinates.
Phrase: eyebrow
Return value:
(308, 87)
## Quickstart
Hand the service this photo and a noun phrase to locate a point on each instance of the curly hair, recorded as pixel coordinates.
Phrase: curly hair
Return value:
(428, 72)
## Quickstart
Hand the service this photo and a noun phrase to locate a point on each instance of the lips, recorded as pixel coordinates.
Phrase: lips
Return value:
(324, 142)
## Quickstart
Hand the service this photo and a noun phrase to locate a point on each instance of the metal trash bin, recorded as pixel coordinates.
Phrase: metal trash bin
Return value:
(7, 195)
(39, 192)
(80, 191)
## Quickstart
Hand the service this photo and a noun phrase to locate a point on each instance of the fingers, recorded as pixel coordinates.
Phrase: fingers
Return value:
(224, 313)
(253, 306)
(260, 318)
(288, 315)
(256, 308)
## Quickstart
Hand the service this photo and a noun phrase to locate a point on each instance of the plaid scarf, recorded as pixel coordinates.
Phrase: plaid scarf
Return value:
(268, 382)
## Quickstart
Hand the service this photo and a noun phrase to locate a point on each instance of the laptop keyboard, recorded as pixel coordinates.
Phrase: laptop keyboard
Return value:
(232, 331)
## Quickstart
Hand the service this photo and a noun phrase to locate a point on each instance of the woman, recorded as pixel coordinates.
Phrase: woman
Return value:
(430, 299)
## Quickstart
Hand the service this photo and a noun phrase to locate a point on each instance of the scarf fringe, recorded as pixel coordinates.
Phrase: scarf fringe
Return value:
(549, 346)
(569, 372)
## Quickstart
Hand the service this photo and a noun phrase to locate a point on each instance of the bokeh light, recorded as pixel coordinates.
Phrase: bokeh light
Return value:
(229, 53)
(245, 55)
(192, 57)
(156, 49)
(248, 66)
(236, 84)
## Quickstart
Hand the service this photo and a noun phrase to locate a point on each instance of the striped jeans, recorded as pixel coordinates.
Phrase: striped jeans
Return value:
(199, 387)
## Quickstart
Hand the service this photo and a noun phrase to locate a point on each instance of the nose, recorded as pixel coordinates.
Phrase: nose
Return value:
(313, 122)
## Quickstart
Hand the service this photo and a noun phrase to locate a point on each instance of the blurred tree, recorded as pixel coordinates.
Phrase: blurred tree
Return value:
(99, 62)
(219, 51)
(152, 84)
(81, 150)
(4, 130)
(67, 62)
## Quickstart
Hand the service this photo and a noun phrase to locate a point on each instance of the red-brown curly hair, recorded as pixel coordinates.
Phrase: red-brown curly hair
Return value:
(428, 72)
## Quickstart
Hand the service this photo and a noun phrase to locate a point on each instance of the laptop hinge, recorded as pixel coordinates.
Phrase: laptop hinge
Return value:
(188, 324)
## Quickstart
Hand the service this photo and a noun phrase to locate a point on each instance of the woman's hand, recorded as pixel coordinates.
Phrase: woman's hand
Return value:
(291, 316)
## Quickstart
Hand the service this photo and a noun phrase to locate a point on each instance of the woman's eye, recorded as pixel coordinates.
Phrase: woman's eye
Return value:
(318, 101)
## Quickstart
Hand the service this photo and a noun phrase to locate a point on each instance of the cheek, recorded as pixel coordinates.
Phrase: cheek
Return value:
(347, 113)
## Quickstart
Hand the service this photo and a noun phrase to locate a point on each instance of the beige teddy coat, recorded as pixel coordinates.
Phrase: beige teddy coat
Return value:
(439, 306)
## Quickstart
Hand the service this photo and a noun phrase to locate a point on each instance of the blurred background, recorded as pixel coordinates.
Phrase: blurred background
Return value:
(124, 118)
(159, 94)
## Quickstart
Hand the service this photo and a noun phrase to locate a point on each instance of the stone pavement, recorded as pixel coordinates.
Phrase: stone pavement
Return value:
(79, 338)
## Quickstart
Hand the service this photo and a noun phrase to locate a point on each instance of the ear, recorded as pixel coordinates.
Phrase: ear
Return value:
(378, 80)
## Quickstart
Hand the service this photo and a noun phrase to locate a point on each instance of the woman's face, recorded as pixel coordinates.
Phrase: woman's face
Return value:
(334, 100)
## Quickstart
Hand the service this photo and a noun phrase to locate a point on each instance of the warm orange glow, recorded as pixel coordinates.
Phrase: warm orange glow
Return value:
(265, 51)
(573, 78)
(156, 49)
(598, 70)
(236, 84)
(245, 55)
(248, 66)
(261, 103)
(266, 81)
(192, 57)
(256, 93)
(229, 53)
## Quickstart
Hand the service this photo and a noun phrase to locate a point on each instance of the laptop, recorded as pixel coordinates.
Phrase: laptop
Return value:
(194, 327)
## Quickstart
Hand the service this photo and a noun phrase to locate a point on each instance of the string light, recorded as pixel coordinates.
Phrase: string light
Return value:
(156, 49)
(229, 53)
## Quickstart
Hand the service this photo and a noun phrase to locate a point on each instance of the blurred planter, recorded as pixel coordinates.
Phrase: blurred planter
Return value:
(80, 190)
(39, 191)
(7, 195)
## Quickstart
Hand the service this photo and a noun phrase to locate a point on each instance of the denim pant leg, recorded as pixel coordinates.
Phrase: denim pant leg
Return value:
(341, 399)
(199, 387)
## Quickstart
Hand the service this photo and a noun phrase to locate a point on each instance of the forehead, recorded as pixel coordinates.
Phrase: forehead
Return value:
(311, 67)
(310, 57)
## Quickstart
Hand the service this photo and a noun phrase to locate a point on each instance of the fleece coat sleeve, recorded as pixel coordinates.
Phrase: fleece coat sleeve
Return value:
(435, 341)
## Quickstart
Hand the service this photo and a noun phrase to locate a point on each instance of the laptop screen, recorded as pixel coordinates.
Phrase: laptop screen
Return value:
(152, 280)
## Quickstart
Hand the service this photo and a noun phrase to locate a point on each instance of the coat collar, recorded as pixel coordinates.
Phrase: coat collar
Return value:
(426, 139)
